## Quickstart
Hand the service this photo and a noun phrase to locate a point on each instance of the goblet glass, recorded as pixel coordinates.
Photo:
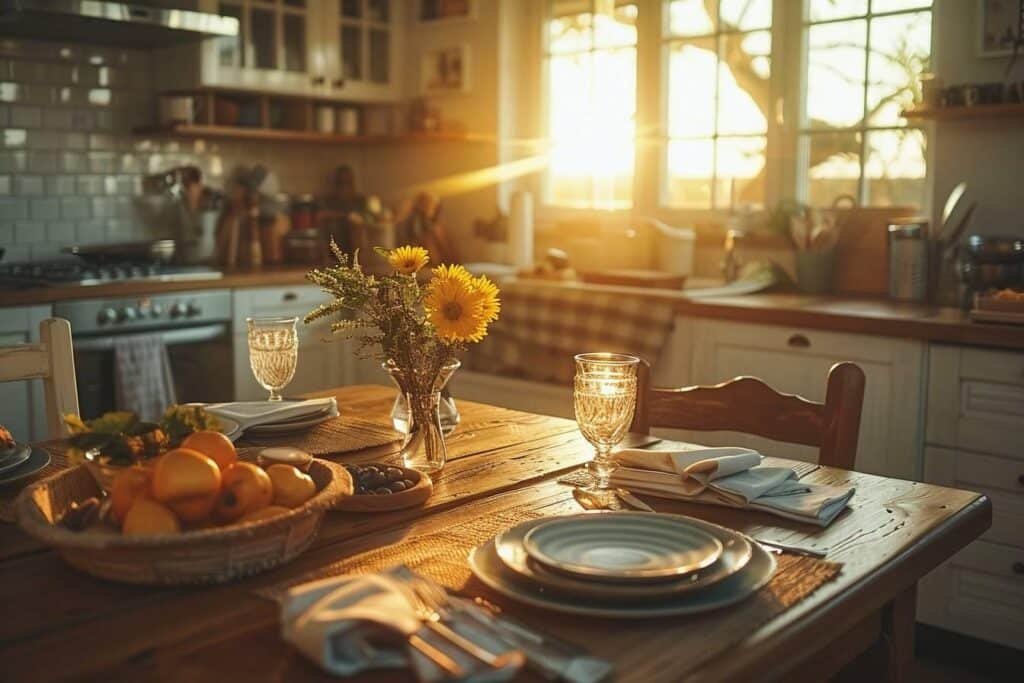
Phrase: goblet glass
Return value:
(273, 352)
(604, 397)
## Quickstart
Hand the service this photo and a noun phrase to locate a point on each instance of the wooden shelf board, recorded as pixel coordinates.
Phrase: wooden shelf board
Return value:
(281, 135)
(980, 111)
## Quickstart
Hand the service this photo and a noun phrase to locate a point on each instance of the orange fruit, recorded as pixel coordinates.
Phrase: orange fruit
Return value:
(185, 473)
(129, 484)
(213, 445)
(292, 488)
(146, 517)
(246, 488)
(263, 513)
(194, 509)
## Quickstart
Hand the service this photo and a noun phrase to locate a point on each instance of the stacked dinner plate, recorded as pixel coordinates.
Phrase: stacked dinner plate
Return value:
(20, 461)
(623, 564)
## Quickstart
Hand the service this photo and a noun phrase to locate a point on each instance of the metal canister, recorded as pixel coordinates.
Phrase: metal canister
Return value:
(908, 260)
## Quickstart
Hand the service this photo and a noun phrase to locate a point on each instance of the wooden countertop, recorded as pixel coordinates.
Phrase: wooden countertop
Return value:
(264, 277)
(879, 317)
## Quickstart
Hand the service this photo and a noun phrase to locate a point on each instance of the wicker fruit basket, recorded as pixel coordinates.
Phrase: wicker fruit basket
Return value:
(202, 556)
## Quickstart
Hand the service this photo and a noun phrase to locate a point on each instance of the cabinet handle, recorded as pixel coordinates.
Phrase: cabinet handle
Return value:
(338, 83)
(289, 296)
(799, 341)
(1018, 567)
(319, 80)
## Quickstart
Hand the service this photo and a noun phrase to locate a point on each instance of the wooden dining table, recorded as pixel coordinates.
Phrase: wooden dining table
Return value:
(58, 623)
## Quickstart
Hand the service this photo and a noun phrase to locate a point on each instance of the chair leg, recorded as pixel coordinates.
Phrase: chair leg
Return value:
(898, 634)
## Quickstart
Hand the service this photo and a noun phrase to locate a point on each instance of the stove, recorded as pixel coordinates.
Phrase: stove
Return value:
(79, 273)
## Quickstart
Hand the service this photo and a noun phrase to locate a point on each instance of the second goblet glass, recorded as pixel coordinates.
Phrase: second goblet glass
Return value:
(604, 397)
(273, 352)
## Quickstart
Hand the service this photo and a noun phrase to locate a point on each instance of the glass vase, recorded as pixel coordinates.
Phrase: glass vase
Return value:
(417, 415)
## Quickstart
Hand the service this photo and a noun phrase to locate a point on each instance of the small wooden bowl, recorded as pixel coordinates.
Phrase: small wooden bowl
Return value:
(369, 502)
(199, 556)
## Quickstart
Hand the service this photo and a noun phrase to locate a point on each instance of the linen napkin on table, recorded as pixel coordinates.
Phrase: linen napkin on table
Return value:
(253, 413)
(349, 624)
(143, 383)
(727, 476)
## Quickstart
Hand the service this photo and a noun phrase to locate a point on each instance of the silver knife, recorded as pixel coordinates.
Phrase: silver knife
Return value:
(794, 549)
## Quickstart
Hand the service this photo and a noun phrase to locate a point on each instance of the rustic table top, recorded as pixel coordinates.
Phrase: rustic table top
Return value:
(59, 623)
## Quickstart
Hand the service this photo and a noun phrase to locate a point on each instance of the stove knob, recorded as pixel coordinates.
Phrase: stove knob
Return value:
(193, 309)
(156, 310)
(127, 314)
(106, 316)
(179, 310)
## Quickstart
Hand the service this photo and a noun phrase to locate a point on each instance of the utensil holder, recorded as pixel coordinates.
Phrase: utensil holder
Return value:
(815, 271)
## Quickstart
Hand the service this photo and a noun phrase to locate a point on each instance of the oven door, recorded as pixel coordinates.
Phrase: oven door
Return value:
(201, 365)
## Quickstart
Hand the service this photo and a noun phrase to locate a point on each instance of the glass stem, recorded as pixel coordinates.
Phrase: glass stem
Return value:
(274, 396)
(601, 466)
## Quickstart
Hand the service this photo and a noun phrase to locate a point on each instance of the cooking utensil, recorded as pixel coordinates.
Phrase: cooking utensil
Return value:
(948, 208)
(158, 251)
(952, 242)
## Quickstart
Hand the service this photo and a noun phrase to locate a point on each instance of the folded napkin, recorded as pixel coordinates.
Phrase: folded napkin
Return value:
(350, 624)
(143, 383)
(727, 476)
(253, 413)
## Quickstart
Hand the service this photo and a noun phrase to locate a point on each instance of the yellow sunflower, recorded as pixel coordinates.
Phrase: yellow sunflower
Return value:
(408, 260)
(489, 291)
(454, 307)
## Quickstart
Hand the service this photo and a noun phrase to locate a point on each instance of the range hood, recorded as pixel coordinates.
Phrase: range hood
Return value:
(110, 23)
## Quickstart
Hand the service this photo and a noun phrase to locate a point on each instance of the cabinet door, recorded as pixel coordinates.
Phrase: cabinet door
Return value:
(797, 361)
(362, 49)
(278, 49)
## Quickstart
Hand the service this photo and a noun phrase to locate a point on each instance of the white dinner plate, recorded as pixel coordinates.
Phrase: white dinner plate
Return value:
(622, 546)
(229, 428)
(14, 456)
(489, 569)
(735, 555)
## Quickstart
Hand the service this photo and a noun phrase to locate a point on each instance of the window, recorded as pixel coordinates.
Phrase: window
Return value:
(863, 62)
(731, 117)
(719, 98)
(591, 75)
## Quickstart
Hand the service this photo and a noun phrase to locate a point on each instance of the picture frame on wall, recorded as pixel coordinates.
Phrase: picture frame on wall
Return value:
(432, 11)
(445, 71)
(999, 26)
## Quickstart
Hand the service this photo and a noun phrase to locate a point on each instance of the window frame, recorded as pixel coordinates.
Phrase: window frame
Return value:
(784, 178)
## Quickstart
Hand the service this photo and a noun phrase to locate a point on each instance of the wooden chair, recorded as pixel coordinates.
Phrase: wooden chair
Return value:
(51, 360)
(748, 405)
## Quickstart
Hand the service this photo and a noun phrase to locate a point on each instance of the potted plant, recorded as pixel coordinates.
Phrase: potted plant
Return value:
(415, 324)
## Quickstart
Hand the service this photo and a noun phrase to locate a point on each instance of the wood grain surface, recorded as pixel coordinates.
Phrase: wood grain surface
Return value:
(62, 624)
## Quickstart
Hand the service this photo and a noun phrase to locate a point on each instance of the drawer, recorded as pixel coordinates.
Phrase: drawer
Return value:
(798, 340)
(1004, 367)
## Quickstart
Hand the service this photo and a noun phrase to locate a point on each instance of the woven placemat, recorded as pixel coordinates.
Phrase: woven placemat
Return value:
(8, 494)
(337, 435)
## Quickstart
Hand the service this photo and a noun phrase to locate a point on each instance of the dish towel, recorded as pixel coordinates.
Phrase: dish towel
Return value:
(143, 383)
(349, 624)
(727, 476)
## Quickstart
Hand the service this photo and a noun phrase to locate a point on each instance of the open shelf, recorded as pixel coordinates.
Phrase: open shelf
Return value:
(978, 111)
(283, 135)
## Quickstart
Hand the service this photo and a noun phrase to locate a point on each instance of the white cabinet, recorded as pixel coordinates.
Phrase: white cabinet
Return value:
(797, 361)
(324, 361)
(975, 436)
(22, 409)
(327, 49)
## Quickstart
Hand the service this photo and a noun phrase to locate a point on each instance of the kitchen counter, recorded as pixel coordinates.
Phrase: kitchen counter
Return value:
(835, 313)
(232, 279)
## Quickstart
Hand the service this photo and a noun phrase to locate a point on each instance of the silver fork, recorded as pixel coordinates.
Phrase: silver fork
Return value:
(430, 601)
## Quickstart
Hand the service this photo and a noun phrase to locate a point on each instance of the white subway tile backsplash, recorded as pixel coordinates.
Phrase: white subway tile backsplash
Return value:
(14, 137)
(90, 184)
(44, 139)
(57, 118)
(26, 117)
(42, 161)
(13, 162)
(102, 162)
(74, 208)
(75, 140)
(28, 185)
(29, 233)
(90, 232)
(13, 209)
(17, 252)
(5, 185)
(6, 235)
(60, 233)
(73, 162)
(45, 209)
(58, 185)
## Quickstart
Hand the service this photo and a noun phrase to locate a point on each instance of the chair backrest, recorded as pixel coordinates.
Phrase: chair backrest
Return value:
(51, 360)
(748, 405)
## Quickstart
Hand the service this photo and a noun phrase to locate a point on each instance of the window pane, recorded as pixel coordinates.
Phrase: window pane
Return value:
(835, 74)
(821, 10)
(351, 8)
(691, 166)
(739, 164)
(352, 52)
(378, 10)
(294, 42)
(744, 15)
(691, 18)
(744, 97)
(691, 73)
(229, 48)
(900, 46)
(832, 166)
(895, 169)
(264, 45)
(895, 5)
(570, 33)
(616, 29)
(379, 54)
